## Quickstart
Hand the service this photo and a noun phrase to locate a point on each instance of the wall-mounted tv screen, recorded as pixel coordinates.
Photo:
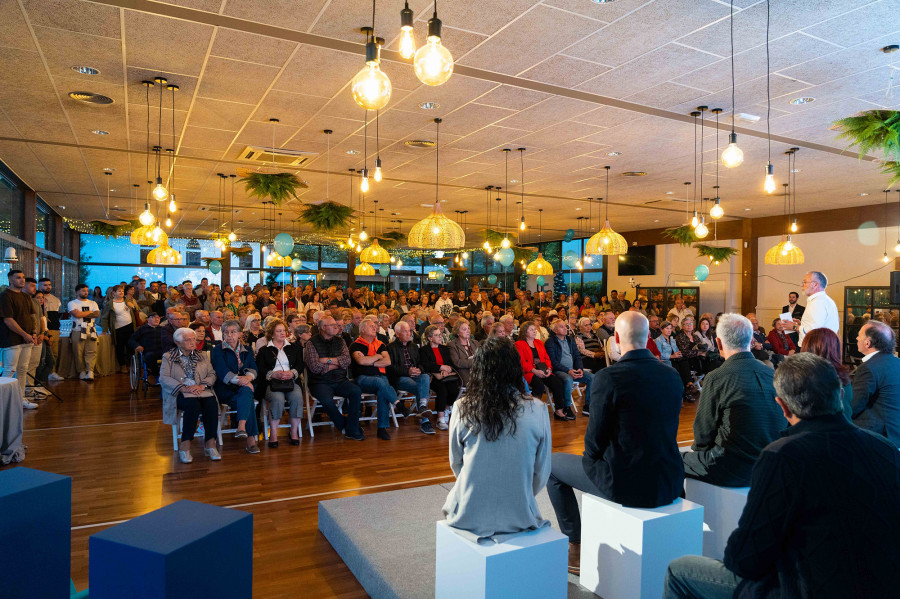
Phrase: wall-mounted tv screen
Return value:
(639, 261)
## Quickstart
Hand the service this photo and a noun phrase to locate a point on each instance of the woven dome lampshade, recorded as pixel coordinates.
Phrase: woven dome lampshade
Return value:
(784, 253)
(164, 255)
(364, 269)
(606, 242)
(539, 266)
(436, 232)
(375, 254)
(149, 236)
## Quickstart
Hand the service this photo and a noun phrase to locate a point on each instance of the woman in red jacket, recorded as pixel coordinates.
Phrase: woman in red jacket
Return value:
(536, 366)
(781, 343)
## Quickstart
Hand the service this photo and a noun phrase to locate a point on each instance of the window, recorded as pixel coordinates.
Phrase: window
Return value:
(12, 202)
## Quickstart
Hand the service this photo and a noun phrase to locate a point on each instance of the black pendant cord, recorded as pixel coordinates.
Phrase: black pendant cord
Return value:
(886, 192)
(174, 88)
(717, 111)
(733, 108)
(768, 90)
(159, 135)
(377, 142)
(506, 175)
(898, 221)
(437, 158)
(522, 182)
(702, 109)
(232, 177)
(607, 192)
(365, 144)
(148, 84)
(694, 199)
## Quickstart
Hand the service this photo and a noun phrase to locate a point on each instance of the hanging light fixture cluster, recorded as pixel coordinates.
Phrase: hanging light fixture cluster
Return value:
(221, 238)
(540, 266)
(606, 242)
(717, 212)
(700, 229)
(785, 252)
(375, 254)
(436, 231)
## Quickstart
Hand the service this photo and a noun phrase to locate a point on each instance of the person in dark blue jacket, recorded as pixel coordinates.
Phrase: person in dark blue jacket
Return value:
(147, 339)
(566, 363)
(236, 370)
(876, 383)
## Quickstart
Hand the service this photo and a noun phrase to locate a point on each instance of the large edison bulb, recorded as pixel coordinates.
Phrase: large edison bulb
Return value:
(172, 206)
(769, 185)
(505, 242)
(168, 223)
(732, 155)
(695, 221)
(364, 185)
(146, 218)
(160, 193)
(232, 236)
(433, 62)
(794, 226)
(717, 211)
(363, 236)
(371, 87)
(701, 231)
(407, 43)
(378, 176)
(522, 224)
(885, 259)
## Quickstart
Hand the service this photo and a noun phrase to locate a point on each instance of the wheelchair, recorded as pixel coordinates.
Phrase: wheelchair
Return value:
(138, 374)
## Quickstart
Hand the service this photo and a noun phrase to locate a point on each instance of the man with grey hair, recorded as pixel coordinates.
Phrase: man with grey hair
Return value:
(821, 312)
(487, 321)
(824, 491)
(405, 372)
(509, 323)
(737, 415)
(876, 383)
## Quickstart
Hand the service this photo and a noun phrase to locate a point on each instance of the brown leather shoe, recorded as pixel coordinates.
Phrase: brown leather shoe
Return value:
(575, 558)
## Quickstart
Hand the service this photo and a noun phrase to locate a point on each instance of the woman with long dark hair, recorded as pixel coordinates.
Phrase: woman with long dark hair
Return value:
(499, 449)
(826, 344)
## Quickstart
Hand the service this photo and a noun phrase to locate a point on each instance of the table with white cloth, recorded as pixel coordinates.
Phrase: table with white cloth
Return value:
(11, 416)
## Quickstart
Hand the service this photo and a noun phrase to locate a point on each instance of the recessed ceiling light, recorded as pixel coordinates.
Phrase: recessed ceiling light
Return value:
(863, 194)
(656, 220)
(60, 206)
(795, 170)
(602, 1)
(86, 70)
(634, 174)
(578, 209)
(90, 98)
(429, 105)
(614, 153)
(100, 132)
(802, 100)
(747, 118)
(114, 190)
(353, 152)
(668, 193)
(513, 180)
(746, 210)
(109, 170)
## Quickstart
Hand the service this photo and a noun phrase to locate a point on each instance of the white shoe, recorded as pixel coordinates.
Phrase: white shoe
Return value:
(55, 377)
(40, 391)
(90, 375)
(213, 454)
(442, 424)
(185, 457)
(29, 405)
(82, 375)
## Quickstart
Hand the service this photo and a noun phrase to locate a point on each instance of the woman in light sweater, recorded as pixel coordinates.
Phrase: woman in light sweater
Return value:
(499, 450)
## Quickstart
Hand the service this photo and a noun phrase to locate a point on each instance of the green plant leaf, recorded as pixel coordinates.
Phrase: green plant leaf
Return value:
(391, 239)
(683, 235)
(327, 217)
(873, 129)
(891, 168)
(109, 230)
(277, 187)
(495, 238)
(718, 254)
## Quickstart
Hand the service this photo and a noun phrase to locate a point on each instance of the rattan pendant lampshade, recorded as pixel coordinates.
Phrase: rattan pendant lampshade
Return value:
(364, 269)
(606, 242)
(784, 253)
(539, 266)
(375, 254)
(151, 235)
(436, 231)
(164, 255)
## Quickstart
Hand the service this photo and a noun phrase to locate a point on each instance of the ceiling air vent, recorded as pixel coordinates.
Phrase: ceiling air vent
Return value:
(419, 143)
(281, 156)
(634, 174)
(90, 98)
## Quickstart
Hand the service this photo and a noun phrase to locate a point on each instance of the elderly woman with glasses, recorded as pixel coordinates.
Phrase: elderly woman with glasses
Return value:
(280, 364)
(187, 378)
(236, 370)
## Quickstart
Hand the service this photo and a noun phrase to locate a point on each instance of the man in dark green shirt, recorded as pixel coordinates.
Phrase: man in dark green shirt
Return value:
(737, 415)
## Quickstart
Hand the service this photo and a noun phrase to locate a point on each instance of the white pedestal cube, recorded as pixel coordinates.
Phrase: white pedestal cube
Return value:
(532, 565)
(625, 551)
(722, 508)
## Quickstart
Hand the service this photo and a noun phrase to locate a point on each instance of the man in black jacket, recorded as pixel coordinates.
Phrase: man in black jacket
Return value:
(405, 373)
(876, 383)
(821, 519)
(630, 449)
(147, 339)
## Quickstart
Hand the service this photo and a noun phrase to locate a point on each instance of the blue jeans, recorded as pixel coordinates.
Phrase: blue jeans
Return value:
(324, 391)
(419, 385)
(384, 393)
(241, 400)
(569, 383)
(695, 576)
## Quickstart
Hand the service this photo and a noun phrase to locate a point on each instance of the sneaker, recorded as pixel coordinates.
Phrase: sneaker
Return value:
(240, 434)
(570, 415)
(426, 427)
(29, 392)
(82, 375)
(55, 377)
(400, 408)
(383, 434)
(442, 424)
(185, 457)
(253, 448)
(90, 375)
(40, 391)
(422, 411)
(213, 454)
(29, 405)
(359, 436)
(584, 411)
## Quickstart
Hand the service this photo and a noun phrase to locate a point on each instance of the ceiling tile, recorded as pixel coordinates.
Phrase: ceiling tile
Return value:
(564, 71)
(65, 49)
(74, 15)
(303, 74)
(235, 81)
(873, 20)
(149, 40)
(290, 109)
(607, 12)
(207, 139)
(503, 52)
(342, 19)
(471, 117)
(478, 16)
(516, 98)
(456, 92)
(15, 29)
(489, 138)
(249, 47)
(548, 112)
(282, 13)
(666, 94)
(218, 114)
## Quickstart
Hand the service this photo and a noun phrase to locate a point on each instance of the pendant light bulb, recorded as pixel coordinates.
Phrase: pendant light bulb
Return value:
(433, 62)
(378, 175)
(172, 206)
(732, 155)
(885, 259)
(717, 211)
(522, 224)
(465, 255)
(794, 226)
(497, 256)
(701, 231)
(363, 236)
(897, 247)
(769, 185)
(399, 263)
(588, 260)
(146, 218)
(168, 223)
(407, 46)
(160, 193)
(371, 87)
(486, 245)
(232, 236)
(695, 221)
(364, 185)
(156, 234)
(788, 246)
(358, 248)
(505, 242)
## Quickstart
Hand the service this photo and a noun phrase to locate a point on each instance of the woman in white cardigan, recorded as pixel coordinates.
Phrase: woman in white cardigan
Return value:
(499, 449)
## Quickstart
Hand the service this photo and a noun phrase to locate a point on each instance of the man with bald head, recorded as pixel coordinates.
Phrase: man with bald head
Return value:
(630, 451)
(876, 383)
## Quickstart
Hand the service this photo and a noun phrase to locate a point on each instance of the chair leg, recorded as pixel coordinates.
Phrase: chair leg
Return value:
(310, 408)
(265, 412)
(394, 417)
(222, 410)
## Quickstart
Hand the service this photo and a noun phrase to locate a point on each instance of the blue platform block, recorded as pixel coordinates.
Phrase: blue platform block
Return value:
(35, 533)
(186, 549)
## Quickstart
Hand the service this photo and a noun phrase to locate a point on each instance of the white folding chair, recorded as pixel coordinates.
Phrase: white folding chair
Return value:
(179, 427)
(310, 404)
(265, 411)
(370, 399)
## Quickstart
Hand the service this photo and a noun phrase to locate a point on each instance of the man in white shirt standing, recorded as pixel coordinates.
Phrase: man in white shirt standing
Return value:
(680, 310)
(83, 337)
(821, 312)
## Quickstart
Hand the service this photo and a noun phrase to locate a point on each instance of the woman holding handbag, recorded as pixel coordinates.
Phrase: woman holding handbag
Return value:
(536, 366)
(445, 382)
(118, 319)
(280, 364)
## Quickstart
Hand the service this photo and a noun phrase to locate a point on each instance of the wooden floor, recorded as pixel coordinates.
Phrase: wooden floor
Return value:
(119, 454)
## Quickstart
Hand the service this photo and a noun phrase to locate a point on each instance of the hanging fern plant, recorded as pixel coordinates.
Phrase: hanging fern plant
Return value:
(495, 238)
(891, 168)
(873, 130)
(107, 229)
(327, 217)
(277, 187)
(715, 253)
(683, 235)
(391, 239)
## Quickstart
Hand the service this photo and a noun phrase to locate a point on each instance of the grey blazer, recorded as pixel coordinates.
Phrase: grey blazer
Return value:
(462, 362)
(171, 380)
(496, 481)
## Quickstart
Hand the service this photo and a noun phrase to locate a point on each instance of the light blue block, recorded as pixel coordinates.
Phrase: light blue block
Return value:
(185, 549)
(35, 533)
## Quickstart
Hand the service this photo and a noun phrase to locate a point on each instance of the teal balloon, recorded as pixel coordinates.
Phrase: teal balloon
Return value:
(284, 244)
(507, 256)
(570, 258)
(570, 235)
(492, 279)
(701, 272)
(215, 267)
(296, 264)
(541, 280)
(440, 275)
(384, 270)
